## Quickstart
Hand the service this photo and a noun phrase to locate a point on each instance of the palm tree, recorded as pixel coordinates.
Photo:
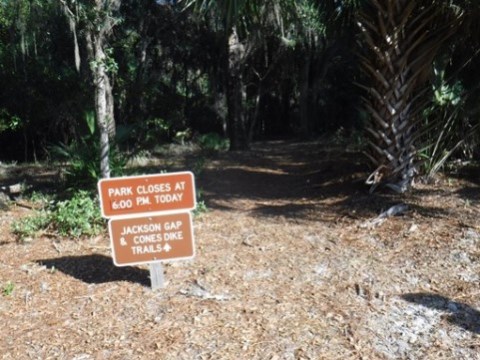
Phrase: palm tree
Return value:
(401, 37)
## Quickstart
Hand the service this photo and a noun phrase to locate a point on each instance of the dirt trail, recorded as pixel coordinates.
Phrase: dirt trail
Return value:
(289, 265)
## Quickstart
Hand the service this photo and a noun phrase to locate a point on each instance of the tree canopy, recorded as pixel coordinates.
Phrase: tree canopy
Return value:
(402, 75)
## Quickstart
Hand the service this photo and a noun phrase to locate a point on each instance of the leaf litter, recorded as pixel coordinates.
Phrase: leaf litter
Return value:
(285, 269)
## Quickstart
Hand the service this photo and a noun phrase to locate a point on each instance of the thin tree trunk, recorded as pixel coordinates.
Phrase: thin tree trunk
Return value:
(101, 108)
(256, 112)
(110, 115)
(25, 140)
(104, 103)
(219, 106)
(304, 99)
(138, 106)
(235, 95)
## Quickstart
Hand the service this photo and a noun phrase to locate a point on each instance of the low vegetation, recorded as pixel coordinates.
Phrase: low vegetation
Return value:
(77, 216)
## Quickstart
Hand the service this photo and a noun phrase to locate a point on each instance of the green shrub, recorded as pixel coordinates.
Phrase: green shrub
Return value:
(201, 205)
(83, 158)
(30, 226)
(201, 208)
(76, 217)
(199, 165)
(152, 132)
(212, 142)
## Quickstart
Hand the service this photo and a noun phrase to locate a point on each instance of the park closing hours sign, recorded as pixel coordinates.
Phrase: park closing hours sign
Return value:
(151, 239)
(124, 196)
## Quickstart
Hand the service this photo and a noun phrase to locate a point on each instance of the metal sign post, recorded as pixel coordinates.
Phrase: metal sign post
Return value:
(156, 276)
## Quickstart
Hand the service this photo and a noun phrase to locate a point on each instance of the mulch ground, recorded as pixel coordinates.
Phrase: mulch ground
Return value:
(290, 264)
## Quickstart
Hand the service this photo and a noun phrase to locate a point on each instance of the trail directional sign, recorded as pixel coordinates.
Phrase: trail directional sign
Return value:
(151, 238)
(149, 219)
(148, 194)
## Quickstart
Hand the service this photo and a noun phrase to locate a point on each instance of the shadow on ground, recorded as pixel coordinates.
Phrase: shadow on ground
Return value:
(459, 314)
(470, 193)
(303, 180)
(42, 177)
(470, 172)
(282, 171)
(96, 269)
(292, 179)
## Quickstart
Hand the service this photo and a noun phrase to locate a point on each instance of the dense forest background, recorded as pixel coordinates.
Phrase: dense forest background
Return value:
(398, 78)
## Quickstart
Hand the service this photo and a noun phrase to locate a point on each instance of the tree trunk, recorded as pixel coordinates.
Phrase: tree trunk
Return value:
(256, 112)
(110, 115)
(401, 40)
(96, 37)
(304, 99)
(236, 94)
(102, 84)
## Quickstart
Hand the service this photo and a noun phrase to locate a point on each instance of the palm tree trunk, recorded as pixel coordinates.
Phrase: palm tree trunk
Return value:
(401, 37)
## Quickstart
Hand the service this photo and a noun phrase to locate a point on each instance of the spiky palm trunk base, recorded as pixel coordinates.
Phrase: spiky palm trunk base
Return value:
(400, 46)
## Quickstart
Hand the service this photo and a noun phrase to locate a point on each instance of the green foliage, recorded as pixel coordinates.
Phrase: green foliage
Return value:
(199, 165)
(8, 288)
(445, 92)
(311, 18)
(448, 131)
(109, 62)
(201, 208)
(182, 136)
(77, 216)
(30, 226)
(157, 128)
(8, 121)
(201, 205)
(150, 133)
(82, 158)
(441, 137)
(213, 142)
(39, 198)
(169, 72)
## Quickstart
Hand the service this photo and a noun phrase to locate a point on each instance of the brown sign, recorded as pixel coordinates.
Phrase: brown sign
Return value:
(152, 238)
(131, 195)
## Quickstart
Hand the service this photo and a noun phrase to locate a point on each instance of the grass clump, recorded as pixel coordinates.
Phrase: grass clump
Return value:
(8, 288)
